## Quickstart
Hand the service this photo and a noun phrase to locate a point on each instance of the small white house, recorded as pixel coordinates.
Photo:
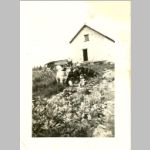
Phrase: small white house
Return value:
(91, 45)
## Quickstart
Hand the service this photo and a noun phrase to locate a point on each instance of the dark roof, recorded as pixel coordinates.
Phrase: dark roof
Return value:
(57, 61)
(93, 30)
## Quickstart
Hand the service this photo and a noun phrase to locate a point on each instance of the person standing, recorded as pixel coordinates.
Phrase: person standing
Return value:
(70, 62)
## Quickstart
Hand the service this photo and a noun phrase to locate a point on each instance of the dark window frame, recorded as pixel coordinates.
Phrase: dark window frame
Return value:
(86, 37)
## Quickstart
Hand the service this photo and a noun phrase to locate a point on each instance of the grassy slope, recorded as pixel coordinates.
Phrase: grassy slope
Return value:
(99, 92)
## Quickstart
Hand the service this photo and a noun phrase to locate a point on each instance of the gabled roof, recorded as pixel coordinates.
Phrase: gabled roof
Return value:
(94, 31)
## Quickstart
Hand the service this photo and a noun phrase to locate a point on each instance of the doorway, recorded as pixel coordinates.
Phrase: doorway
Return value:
(85, 55)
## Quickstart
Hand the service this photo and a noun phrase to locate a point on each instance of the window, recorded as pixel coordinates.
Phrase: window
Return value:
(86, 37)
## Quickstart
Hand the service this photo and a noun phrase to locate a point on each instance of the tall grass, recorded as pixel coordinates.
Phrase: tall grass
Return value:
(44, 83)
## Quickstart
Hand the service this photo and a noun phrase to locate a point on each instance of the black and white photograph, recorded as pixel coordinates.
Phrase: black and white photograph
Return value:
(75, 70)
(75, 97)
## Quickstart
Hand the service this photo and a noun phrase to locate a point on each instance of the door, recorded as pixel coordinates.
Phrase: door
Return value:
(85, 55)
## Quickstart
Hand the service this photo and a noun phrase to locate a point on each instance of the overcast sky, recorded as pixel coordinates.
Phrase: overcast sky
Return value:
(46, 27)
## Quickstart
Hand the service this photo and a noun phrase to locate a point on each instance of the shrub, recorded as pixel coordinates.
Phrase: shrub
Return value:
(73, 113)
(60, 111)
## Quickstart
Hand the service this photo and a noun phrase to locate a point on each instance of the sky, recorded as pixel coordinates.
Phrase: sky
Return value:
(46, 27)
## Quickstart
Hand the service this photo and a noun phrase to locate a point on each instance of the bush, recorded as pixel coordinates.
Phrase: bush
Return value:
(60, 111)
(74, 112)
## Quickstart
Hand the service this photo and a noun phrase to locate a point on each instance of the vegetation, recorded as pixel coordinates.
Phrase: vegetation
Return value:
(44, 83)
(61, 111)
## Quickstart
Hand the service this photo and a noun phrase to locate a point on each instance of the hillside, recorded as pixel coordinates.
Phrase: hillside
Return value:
(63, 111)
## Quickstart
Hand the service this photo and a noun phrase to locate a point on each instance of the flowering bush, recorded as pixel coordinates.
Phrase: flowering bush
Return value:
(77, 111)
